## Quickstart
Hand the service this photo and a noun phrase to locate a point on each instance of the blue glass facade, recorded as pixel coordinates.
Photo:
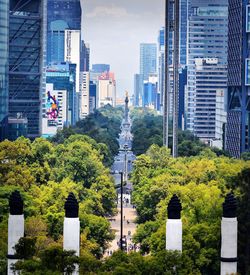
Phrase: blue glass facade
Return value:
(4, 37)
(137, 78)
(63, 77)
(61, 15)
(26, 56)
(182, 85)
(92, 96)
(148, 56)
(183, 31)
(238, 119)
(150, 95)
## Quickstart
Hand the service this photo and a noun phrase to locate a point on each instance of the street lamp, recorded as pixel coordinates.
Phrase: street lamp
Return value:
(121, 201)
(125, 163)
(121, 173)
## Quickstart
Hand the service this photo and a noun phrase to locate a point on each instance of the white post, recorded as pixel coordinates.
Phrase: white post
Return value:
(174, 235)
(71, 228)
(229, 228)
(174, 225)
(71, 234)
(15, 228)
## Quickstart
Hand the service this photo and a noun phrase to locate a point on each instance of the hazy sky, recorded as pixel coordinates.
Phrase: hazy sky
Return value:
(115, 28)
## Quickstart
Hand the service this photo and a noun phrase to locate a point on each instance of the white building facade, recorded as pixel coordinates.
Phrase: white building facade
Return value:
(207, 38)
(84, 95)
(210, 77)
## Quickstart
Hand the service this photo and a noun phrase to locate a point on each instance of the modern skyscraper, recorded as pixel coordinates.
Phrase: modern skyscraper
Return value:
(27, 55)
(148, 63)
(84, 57)
(72, 55)
(210, 77)
(84, 94)
(63, 77)
(183, 31)
(150, 98)
(137, 81)
(62, 15)
(4, 40)
(106, 90)
(148, 59)
(161, 64)
(220, 119)
(207, 38)
(92, 97)
(238, 119)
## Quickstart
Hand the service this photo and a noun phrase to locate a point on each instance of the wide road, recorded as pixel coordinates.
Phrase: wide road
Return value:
(129, 213)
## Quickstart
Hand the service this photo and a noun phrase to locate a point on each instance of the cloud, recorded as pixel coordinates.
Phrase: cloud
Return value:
(110, 11)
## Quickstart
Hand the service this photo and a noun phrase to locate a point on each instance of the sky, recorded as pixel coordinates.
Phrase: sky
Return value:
(115, 28)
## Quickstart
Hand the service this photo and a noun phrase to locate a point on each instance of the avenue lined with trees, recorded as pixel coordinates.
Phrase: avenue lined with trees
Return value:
(78, 159)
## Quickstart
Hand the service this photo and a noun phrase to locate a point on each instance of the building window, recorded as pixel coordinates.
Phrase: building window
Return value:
(248, 18)
(247, 72)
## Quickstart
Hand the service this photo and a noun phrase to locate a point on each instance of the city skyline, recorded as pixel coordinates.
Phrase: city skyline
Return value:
(128, 25)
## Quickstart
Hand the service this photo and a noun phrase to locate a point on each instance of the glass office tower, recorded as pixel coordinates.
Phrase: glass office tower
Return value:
(27, 52)
(238, 119)
(207, 38)
(61, 15)
(4, 37)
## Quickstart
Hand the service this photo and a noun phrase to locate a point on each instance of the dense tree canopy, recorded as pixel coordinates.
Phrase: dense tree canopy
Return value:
(45, 173)
(103, 126)
(147, 130)
(201, 183)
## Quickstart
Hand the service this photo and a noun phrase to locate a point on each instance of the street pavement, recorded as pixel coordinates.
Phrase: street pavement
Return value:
(129, 212)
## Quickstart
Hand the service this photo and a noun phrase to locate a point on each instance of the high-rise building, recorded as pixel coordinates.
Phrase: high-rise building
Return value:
(161, 64)
(72, 55)
(182, 91)
(106, 90)
(137, 81)
(92, 97)
(27, 57)
(63, 77)
(148, 63)
(84, 57)
(238, 119)
(220, 119)
(4, 40)
(150, 97)
(61, 15)
(148, 59)
(207, 38)
(54, 111)
(210, 78)
(183, 31)
(84, 94)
